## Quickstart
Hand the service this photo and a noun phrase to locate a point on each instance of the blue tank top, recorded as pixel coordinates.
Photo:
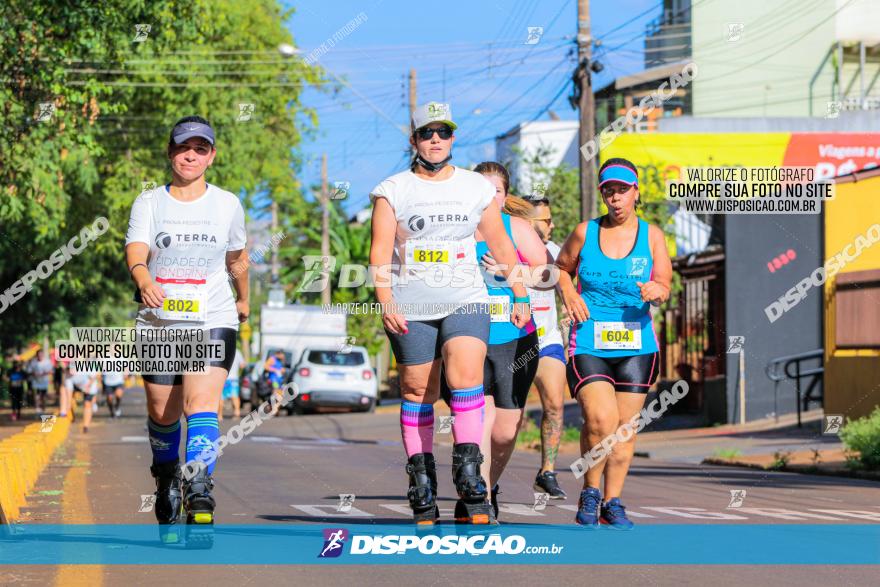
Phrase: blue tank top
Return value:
(501, 330)
(620, 322)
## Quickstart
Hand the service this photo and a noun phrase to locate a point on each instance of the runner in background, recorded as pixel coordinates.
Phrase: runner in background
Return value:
(550, 379)
(65, 393)
(622, 266)
(40, 369)
(87, 385)
(113, 384)
(183, 240)
(230, 388)
(58, 379)
(512, 356)
(423, 226)
(16, 378)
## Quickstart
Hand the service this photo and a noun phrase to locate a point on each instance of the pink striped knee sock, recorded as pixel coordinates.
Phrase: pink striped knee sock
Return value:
(417, 427)
(467, 407)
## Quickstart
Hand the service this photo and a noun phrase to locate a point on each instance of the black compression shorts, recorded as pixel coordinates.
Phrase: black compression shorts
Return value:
(508, 372)
(635, 374)
(225, 335)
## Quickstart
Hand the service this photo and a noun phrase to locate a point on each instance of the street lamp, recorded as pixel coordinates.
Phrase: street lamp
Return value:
(287, 50)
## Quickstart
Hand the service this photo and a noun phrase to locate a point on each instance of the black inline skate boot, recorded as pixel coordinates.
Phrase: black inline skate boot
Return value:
(168, 500)
(199, 505)
(472, 506)
(422, 493)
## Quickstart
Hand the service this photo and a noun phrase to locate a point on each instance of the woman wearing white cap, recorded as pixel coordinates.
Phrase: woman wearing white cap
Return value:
(182, 239)
(622, 266)
(435, 304)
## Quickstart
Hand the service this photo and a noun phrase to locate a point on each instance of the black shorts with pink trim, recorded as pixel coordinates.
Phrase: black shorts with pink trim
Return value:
(635, 374)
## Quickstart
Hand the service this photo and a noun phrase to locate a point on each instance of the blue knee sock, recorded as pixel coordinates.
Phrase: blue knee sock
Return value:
(202, 430)
(164, 440)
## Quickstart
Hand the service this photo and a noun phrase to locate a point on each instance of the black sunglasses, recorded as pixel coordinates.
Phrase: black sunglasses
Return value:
(535, 200)
(444, 132)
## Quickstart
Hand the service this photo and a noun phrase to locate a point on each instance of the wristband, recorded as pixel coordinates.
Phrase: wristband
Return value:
(522, 300)
(130, 269)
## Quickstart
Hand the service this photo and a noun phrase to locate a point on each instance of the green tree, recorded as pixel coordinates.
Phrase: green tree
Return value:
(115, 99)
(349, 245)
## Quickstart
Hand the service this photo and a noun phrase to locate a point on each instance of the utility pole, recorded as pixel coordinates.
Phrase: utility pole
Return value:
(412, 96)
(274, 209)
(325, 224)
(586, 108)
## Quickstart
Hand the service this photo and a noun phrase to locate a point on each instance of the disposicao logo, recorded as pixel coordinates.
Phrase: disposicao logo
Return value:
(334, 539)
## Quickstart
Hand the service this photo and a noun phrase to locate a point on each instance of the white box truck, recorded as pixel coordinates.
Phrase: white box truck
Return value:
(294, 327)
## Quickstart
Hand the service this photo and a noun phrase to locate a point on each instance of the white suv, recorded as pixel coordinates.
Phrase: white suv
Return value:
(330, 378)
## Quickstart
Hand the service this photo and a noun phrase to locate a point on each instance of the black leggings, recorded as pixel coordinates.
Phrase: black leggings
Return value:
(226, 336)
(508, 372)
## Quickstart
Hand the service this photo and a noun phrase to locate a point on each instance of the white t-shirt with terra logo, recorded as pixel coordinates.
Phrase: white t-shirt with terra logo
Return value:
(188, 243)
(434, 247)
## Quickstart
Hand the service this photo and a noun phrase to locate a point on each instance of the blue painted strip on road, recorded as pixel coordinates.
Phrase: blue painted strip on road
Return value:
(659, 544)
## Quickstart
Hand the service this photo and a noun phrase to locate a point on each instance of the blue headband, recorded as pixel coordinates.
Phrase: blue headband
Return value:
(619, 173)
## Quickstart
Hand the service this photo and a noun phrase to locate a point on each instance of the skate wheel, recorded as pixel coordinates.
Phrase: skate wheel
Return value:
(169, 535)
(203, 518)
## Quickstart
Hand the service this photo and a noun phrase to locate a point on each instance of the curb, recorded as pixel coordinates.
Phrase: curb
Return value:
(802, 469)
(23, 456)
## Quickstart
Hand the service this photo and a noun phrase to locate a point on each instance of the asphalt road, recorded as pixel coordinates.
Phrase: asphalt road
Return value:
(292, 470)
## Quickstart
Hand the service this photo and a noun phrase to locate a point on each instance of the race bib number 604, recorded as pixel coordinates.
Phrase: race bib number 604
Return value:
(618, 336)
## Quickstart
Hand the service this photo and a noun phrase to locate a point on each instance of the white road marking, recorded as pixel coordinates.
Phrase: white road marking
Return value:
(135, 439)
(266, 438)
(784, 514)
(697, 513)
(525, 510)
(316, 511)
(629, 512)
(860, 514)
(312, 447)
(518, 509)
(407, 511)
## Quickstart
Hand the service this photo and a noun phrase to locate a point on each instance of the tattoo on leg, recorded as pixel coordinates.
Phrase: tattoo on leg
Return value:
(551, 434)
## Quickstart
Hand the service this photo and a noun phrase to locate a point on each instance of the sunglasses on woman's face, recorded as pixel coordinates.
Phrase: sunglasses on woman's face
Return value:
(444, 132)
(537, 200)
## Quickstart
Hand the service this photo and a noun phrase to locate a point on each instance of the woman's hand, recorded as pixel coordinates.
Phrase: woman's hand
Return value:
(653, 292)
(575, 307)
(490, 265)
(244, 310)
(394, 322)
(521, 314)
(152, 295)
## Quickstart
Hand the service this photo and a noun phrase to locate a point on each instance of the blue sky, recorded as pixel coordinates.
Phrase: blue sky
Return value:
(472, 53)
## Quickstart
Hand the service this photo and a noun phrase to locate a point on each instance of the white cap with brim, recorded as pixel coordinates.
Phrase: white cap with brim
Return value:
(432, 112)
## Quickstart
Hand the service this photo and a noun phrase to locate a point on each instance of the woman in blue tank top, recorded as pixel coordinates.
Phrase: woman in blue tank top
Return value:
(622, 267)
(512, 355)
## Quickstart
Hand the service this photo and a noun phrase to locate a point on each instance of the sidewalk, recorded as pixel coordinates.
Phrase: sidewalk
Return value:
(29, 415)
